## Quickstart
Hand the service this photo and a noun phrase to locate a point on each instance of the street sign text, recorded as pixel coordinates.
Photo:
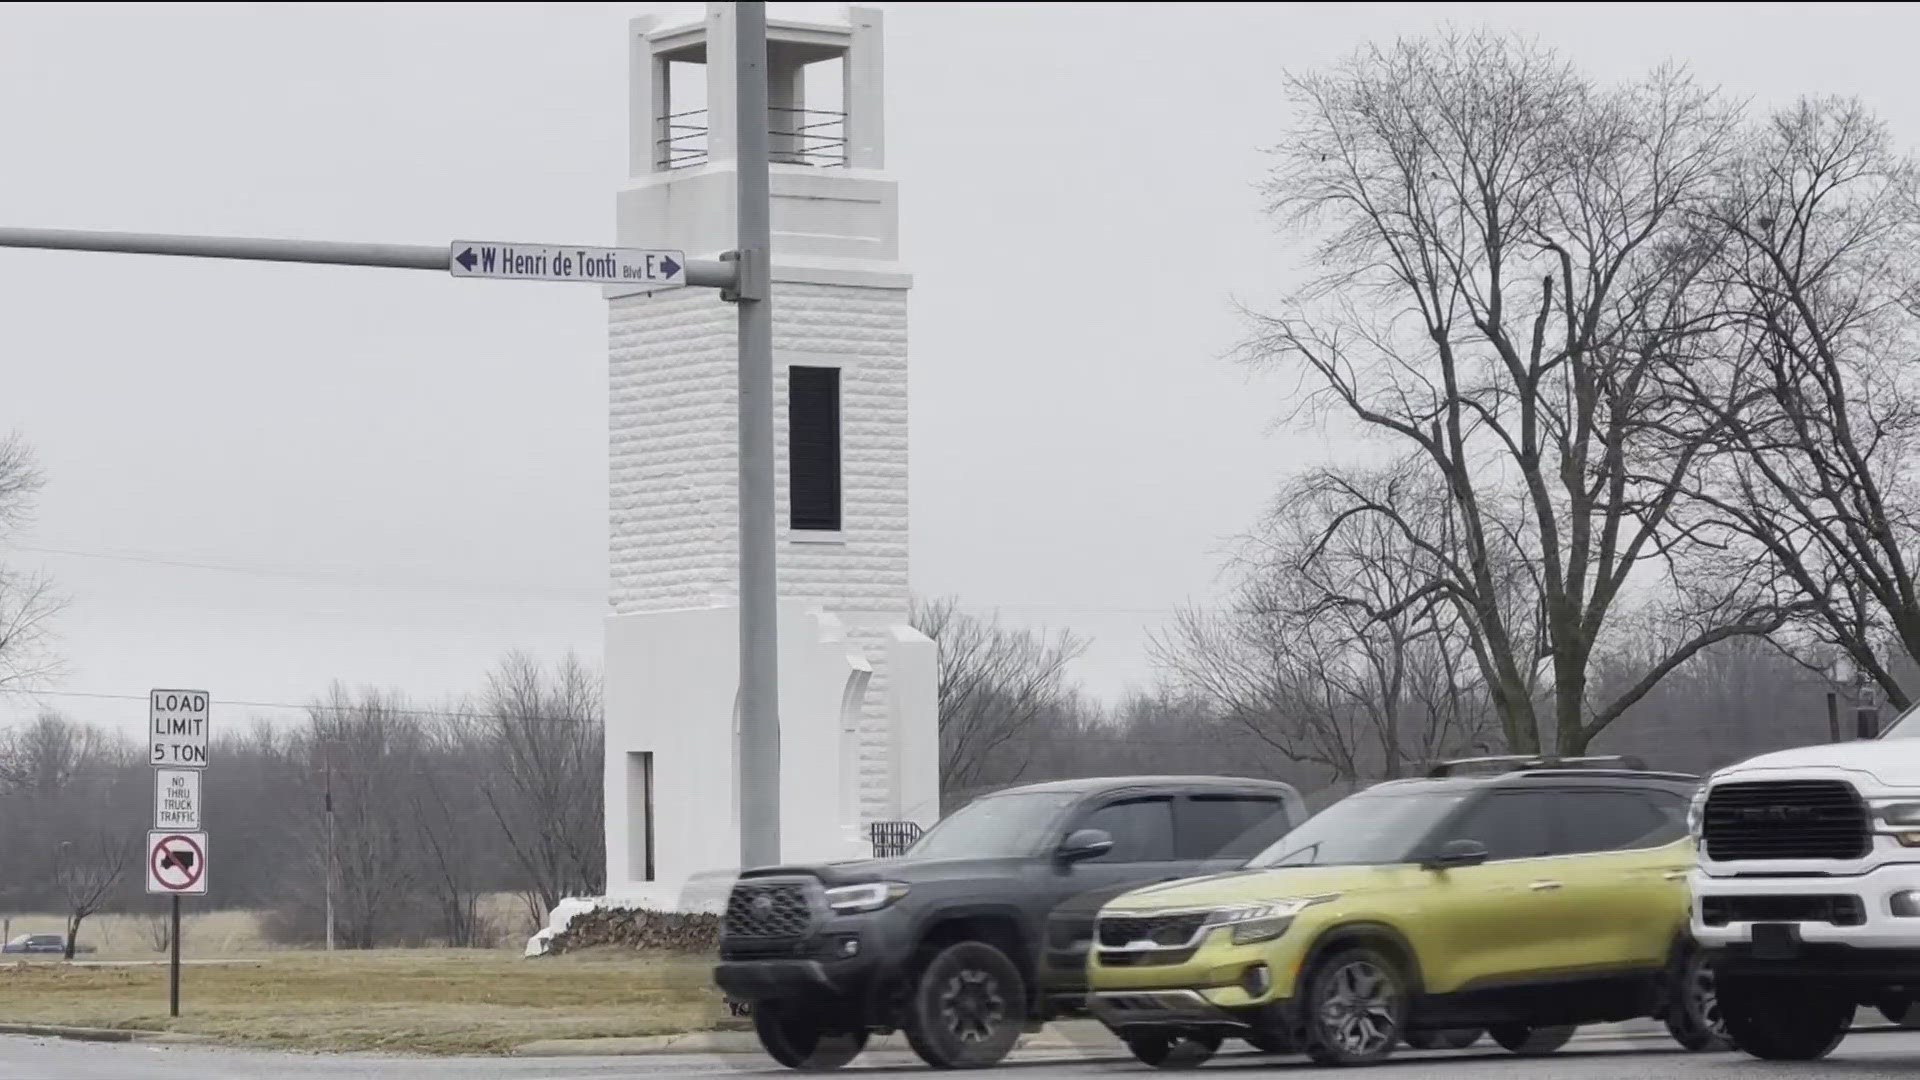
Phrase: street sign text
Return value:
(653, 268)
(176, 799)
(179, 729)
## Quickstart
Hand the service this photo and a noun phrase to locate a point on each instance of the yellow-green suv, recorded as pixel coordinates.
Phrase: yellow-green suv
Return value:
(1513, 897)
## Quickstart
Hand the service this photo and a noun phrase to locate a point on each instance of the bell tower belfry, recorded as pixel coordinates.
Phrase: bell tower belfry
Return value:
(858, 712)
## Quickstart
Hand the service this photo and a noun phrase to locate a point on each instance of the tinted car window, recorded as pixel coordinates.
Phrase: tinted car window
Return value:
(1207, 825)
(1617, 820)
(1142, 830)
(1512, 824)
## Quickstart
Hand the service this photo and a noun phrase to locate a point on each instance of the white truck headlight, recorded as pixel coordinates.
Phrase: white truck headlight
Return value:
(1900, 818)
(1697, 814)
(853, 899)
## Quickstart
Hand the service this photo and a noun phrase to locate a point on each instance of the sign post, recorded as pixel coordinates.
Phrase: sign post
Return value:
(743, 276)
(179, 726)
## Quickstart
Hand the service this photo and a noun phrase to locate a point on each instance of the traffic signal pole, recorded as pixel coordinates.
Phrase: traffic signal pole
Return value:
(744, 277)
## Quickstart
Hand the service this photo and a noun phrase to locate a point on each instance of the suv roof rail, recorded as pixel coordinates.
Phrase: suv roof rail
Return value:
(1534, 762)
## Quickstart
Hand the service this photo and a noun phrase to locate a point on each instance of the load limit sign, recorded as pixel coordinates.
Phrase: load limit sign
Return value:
(179, 729)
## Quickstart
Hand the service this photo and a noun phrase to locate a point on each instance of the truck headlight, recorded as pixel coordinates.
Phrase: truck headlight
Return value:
(1254, 923)
(1902, 819)
(853, 899)
(1697, 814)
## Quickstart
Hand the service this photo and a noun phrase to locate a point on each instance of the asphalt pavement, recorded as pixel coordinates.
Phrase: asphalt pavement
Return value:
(1864, 1056)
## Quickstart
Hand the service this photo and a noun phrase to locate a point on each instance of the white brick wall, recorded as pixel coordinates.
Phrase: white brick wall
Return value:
(673, 515)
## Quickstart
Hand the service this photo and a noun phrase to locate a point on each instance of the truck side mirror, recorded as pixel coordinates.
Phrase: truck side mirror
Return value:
(1084, 844)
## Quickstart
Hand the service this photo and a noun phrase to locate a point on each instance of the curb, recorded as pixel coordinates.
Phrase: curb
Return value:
(1051, 1043)
(78, 1034)
(106, 1035)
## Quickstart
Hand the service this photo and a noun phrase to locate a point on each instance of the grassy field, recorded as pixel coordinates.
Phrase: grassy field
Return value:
(210, 935)
(431, 1001)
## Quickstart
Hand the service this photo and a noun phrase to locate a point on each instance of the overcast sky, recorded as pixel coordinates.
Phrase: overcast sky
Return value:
(264, 478)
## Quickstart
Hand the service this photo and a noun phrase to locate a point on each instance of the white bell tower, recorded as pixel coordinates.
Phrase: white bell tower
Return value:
(858, 714)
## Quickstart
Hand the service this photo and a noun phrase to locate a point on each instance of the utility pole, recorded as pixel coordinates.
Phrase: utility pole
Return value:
(743, 276)
(326, 755)
(759, 597)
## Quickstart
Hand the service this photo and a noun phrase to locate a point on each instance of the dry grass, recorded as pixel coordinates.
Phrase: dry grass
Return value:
(219, 935)
(205, 935)
(433, 1001)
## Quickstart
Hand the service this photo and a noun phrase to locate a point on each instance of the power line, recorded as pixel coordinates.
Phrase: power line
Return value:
(330, 576)
(333, 575)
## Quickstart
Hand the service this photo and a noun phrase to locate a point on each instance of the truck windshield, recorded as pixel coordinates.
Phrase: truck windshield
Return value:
(1368, 829)
(1904, 726)
(995, 827)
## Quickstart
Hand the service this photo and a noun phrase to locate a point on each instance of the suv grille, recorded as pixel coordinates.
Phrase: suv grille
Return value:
(1166, 931)
(776, 909)
(1786, 819)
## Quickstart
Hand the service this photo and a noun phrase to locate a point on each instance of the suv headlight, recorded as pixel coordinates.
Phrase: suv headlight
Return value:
(1697, 814)
(1254, 923)
(853, 899)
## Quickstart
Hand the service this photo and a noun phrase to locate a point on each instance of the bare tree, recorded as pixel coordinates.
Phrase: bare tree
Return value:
(445, 802)
(1815, 401)
(996, 682)
(1506, 270)
(1334, 651)
(547, 735)
(28, 602)
(87, 872)
(45, 756)
(371, 741)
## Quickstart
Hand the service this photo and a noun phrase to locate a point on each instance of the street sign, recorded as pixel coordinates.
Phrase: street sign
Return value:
(179, 729)
(176, 799)
(655, 269)
(177, 863)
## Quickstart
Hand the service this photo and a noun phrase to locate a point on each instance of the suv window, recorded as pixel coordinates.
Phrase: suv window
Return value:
(1602, 820)
(1204, 825)
(1512, 824)
(1142, 830)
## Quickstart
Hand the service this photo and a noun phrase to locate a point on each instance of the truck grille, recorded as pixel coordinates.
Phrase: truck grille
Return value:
(774, 909)
(1835, 910)
(1786, 819)
(1167, 931)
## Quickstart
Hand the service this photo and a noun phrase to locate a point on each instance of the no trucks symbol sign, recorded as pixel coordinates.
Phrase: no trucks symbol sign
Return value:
(177, 863)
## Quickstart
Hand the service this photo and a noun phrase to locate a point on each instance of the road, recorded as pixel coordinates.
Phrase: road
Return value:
(1864, 1056)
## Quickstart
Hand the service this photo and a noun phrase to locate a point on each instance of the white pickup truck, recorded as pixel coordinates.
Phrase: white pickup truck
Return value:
(1806, 889)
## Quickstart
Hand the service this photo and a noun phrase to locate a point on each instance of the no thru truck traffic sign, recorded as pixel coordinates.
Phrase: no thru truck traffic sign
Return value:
(179, 729)
(176, 799)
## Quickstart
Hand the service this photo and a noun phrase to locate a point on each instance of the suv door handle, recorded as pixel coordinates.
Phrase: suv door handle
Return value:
(1675, 875)
(1544, 886)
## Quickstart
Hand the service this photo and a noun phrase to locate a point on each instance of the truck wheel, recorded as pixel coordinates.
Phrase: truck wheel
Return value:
(1355, 1009)
(1895, 1007)
(968, 1007)
(1794, 1022)
(1445, 1039)
(1174, 1051)
(1532, 1041)
(800, 1039)
(1693, 1006)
